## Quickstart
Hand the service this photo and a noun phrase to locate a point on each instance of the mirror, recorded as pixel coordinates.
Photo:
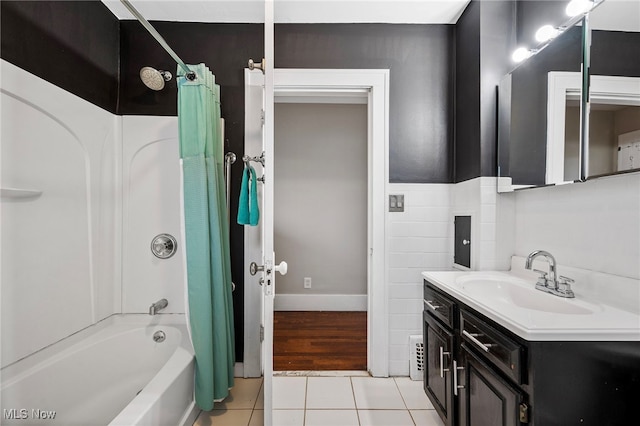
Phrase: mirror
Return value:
(538, 129)
(614, 91)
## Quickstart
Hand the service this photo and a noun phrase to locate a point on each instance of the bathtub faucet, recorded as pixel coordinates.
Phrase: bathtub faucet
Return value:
(158, 306)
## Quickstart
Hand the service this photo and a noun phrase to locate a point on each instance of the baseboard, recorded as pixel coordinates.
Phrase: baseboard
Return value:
(320, 302)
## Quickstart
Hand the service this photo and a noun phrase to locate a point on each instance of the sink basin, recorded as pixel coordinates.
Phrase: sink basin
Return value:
(516, 291)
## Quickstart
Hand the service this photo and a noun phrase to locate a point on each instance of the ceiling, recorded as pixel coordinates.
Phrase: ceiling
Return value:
(297, 11)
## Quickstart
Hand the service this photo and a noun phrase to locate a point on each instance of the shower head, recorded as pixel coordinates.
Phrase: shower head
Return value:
(154, 79)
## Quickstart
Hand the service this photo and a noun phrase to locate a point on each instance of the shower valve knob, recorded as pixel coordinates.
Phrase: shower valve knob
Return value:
(164, 246)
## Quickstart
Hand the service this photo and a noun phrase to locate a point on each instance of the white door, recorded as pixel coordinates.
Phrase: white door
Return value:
(260, 268)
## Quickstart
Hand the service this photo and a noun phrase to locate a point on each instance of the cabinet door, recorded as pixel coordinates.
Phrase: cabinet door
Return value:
(486, 399)
(437, 369)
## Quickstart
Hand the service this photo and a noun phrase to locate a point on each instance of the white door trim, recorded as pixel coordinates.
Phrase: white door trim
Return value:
(375, 86)
(604, 89)
(376, 82)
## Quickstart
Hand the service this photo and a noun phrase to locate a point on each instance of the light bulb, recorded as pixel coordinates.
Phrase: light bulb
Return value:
(578, 7)
(546, 33)
(520, 54)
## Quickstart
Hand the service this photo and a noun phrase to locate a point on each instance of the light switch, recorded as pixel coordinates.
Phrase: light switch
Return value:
(396, 203)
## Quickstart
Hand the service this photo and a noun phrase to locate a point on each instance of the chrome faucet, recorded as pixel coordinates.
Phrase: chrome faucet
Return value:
(158, 306)
(550, 282)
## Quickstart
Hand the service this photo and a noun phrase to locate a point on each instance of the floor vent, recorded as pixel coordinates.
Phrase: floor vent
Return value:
(416, 357)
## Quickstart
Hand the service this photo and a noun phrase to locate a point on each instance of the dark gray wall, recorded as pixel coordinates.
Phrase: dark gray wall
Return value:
(73, 45)
(615, 53)
(532, 14)
(485, 37)
(498, 33)
(420, 58)
(467, 94)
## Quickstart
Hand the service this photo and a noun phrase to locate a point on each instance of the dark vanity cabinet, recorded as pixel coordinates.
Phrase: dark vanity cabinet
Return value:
(478, 373)
(439, 344)
(485, 398)
(486, 355)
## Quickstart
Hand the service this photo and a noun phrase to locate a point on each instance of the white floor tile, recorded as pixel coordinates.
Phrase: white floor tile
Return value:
(331, 417)
(224, 418)
(288, 417)
(385, 418)
(330, 393)
(260, 401)
(257, 418)
(243, 395)
(377, 394)
(426, 418)
(289, 392)
(413, 394)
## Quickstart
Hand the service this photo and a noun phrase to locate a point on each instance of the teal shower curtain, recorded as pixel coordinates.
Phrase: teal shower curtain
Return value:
(207, 237)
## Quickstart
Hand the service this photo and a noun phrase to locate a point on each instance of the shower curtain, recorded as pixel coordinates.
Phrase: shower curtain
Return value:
(208, 265)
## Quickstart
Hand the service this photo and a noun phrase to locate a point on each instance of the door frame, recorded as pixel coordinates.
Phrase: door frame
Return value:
(373, 84)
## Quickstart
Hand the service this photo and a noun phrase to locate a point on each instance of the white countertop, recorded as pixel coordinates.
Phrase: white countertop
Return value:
(510, 299)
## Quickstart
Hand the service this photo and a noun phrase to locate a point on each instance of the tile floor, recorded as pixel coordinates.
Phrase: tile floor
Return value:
(326, 401)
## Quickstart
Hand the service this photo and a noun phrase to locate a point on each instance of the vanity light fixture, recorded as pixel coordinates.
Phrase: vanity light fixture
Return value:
(546, 33)
(521, 53)
(579, 7)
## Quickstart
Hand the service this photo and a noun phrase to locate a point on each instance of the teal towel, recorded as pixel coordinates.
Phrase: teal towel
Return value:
(248, 210)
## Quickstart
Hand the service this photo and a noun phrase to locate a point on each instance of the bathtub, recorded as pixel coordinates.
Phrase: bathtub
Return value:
(113, 373)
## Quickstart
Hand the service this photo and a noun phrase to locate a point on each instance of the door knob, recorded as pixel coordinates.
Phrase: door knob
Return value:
(466, 242)
(282, 268)
(254, 268)
(257, 66)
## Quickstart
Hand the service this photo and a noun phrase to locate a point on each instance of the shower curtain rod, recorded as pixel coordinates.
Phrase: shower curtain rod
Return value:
(190, 75)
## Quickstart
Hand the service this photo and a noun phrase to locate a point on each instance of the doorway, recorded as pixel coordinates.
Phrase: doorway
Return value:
(305, 85)
(320, 228)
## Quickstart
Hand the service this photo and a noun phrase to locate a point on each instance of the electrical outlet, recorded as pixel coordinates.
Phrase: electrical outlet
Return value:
(307, 282)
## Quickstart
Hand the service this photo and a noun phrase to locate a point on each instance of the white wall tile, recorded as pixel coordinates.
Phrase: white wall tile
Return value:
(419, 239)
(398, 306)
(399, 368)
(478, 198)
(593, 225)
(412, 290)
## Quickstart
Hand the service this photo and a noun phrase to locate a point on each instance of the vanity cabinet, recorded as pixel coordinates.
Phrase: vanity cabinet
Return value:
(478, 373)
(485, 398)
(464, 386)
(439, 345)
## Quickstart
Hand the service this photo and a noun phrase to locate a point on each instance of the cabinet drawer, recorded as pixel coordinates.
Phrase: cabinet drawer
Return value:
(498, 348)
(439, 304)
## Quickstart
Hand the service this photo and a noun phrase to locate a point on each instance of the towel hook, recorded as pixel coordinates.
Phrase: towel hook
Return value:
(260, 159)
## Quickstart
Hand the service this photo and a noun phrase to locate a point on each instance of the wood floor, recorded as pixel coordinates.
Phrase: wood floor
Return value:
(320, 341)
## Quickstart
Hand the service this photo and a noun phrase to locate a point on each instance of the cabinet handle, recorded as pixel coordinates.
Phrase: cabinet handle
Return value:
(434, 307)
(484, 346)
(455, 378)
(442, 354)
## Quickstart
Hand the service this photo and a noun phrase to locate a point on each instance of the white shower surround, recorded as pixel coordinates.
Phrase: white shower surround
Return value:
(79, 252)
